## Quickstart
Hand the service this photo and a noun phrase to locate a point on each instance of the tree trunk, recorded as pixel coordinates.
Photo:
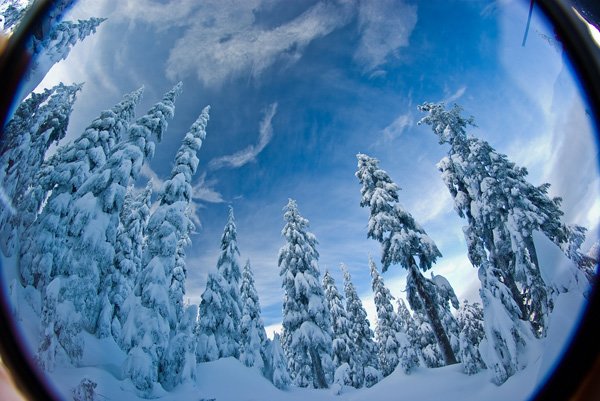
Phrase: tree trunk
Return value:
(502, 261)
(434, 317)
(539, 297)
(319, 380)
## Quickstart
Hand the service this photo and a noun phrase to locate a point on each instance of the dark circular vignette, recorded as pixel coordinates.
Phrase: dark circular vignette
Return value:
(14, 61)
(577, 364)
(573, 372)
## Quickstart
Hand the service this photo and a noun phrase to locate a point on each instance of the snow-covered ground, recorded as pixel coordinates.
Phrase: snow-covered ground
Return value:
(228, 379)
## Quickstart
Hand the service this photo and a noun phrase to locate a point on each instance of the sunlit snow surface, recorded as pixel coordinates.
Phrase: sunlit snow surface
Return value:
(229, 380)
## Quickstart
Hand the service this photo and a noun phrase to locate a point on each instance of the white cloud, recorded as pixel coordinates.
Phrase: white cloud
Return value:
(204, 190)
(397, 127)
(433, 201)
(385, 26)
(455, 96)
(224, 41)
(247, 155)
(163, 15)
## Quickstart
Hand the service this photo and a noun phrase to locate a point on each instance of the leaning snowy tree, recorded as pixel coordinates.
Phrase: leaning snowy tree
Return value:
(218, 328)
(253, 337)
(39, 122)
(11, 12)
(366, 365)
(342, 347)
(446, 299)
(161, 310)
(306, 321)
(79, 283)
(42, 242)
(51, 42)
(403, 241)
(54, 47)
(503, 211)
(394, 345)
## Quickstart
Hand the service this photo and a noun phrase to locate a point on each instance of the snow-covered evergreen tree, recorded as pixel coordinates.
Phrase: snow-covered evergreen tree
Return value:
(281, 378)
(306, 320)
(178, 275)
(427, 346)
(179, 361)
(418, 289)
(28, 138)
(42, 243)
(93, 221)
(394, 345)
(587, 262)
(128, 259)
(422, 341)
(591, 262)
(85, 390)
(502, 210)
(403, 241)
(94, 216)
(366, 364)
(342, 347)
(209, 322)
(470, 320)
(167, 232)
(506, 335)
(24, 114)
(61, 325)
(55, 46)
(253, 337)
(221, 305)
(447, 299)
(11, 12)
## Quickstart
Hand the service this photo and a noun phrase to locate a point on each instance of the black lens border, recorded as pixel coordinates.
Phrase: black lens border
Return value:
(578, 359)
(14, 61)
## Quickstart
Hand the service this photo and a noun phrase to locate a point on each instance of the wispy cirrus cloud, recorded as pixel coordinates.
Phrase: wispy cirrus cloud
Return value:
(247, 155)
(204, 190)
(397, 127)
(224, 40)
(385, 26)
(453, 97)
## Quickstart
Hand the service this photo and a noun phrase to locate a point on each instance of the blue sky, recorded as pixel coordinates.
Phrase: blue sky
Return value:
(298, 88)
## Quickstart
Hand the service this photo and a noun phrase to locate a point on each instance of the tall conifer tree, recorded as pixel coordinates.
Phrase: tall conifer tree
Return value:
(366, 366)
(394, 345)
(31, 136)
(221, 306)
(253, 340)
(342, 346)
(502, 211)
(306, 320)
(403, 242)
(168, 229)
(42, 242)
